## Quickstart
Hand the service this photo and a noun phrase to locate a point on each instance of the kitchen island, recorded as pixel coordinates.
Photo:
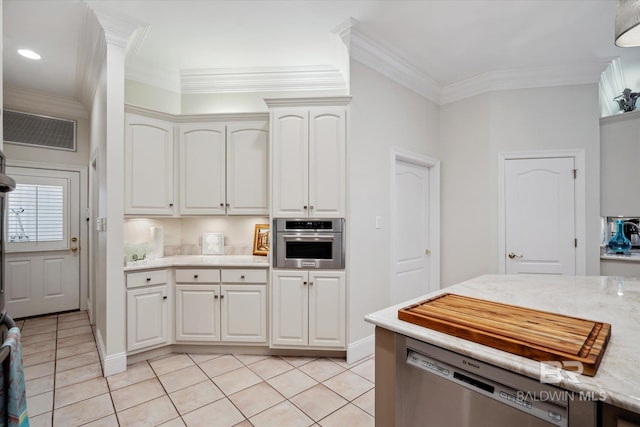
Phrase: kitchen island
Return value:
(611, 300)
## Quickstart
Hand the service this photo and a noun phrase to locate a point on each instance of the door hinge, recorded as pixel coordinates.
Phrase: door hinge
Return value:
(575, 173)
(575, 243)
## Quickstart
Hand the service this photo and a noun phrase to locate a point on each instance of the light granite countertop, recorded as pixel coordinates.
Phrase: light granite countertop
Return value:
(244, 261)
(604, 299)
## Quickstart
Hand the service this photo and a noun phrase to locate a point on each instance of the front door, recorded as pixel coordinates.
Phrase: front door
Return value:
(42, 261)
(540, 227)
(410, 231)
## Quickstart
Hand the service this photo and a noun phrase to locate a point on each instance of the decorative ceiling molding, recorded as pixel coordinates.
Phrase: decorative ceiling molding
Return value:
(136, 41)
(191, 118)
(365, 49)
(526, 78)
(37, 103)
(312, 102)
(153, 76)
(262, 79)
(118, 28)
(92, 50)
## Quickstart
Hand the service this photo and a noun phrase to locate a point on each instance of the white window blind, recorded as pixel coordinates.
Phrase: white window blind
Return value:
(35, 213)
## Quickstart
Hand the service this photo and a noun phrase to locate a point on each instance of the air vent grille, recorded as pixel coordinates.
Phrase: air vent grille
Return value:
(41, 131)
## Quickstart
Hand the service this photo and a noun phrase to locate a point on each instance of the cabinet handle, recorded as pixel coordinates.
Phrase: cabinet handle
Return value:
(164, 297)
(148, 279)
(242, 276)
(170, 205)
(195, 276)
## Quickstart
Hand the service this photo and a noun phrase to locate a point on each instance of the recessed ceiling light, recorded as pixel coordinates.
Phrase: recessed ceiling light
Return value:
(28, 53)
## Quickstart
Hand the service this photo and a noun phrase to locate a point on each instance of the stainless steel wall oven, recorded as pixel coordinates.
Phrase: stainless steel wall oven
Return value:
(308, 243)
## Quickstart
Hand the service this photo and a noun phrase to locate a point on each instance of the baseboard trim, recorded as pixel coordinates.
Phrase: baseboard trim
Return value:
(360, 349)
(111, 364)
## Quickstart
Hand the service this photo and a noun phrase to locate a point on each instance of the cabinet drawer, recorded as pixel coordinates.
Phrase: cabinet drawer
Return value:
(244, 276)
(146, 278)
(197, 275)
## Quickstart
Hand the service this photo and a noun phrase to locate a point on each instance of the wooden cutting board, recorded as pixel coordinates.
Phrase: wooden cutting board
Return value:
(534, 334)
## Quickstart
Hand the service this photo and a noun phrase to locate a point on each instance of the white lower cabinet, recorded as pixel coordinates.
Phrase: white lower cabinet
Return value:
(308, 309)
(147, 310)
(234, 311)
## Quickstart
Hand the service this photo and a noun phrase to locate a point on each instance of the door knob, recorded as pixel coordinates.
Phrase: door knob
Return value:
(427, 251)
(74, 239)
(512, 255)
(74, 249)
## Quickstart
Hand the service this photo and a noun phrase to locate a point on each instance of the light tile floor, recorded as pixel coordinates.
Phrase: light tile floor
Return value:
(65, 386)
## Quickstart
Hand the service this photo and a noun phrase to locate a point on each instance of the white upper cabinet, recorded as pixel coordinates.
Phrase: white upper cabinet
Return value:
(224, 168)
(202, 168)
(148, 166)
(248, 168)
(308, 161)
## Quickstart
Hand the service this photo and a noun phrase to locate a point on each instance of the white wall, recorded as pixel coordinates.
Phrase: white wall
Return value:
(383, 114)
(142, 95)
(620, 165)
(518, 120)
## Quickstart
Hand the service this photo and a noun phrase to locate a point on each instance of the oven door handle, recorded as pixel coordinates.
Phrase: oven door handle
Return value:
(307, 236)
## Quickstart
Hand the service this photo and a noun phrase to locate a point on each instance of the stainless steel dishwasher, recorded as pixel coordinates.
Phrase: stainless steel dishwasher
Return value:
(440, 388)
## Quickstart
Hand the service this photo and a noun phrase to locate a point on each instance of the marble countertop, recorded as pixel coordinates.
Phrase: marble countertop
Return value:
(244, 261)
(605, 299)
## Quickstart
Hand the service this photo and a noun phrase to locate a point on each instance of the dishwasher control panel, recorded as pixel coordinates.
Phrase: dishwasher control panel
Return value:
(522, 400)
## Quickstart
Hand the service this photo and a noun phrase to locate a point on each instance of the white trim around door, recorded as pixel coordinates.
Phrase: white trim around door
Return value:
(84, 246)
(433, 167)
(580, 201)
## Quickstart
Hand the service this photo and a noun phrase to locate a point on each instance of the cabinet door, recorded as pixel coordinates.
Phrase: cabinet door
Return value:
(290, 137)
(147, 317)
(243, 310)
(290, 314)
(148, 166)
(197, 312)
(327, 309)
(247, 168)
(327, 169)
(202, 169)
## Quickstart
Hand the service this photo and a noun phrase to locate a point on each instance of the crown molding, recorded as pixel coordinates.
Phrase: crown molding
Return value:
(118, 28)
(612, 83)
(365, 49)
(136, 41)
(153, 76)
(190, 118)
(525, 78)
(91, 55)
(36, 102)
(309, 102)
(261, 79)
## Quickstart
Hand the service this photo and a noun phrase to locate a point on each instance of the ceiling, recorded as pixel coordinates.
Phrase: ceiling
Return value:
(449, 41)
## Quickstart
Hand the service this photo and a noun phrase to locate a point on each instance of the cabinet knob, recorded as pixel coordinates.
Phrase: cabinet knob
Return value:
(305, 206)
(227, 205)
(311, 207)
(195, 276)
(215, 296)
(242, 276)
(221, 296)
(221, 205)
(148, 279)
(170, 205)
(310, 283)
(304, 283)
(164, 297)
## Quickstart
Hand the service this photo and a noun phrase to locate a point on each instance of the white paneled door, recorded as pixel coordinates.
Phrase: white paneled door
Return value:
(540, 229)
(411, 238)
(42, 261)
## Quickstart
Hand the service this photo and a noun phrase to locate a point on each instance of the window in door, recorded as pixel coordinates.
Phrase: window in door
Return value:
(37, 216)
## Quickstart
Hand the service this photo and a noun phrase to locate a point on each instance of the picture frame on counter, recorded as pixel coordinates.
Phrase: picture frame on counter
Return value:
(261, 239)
